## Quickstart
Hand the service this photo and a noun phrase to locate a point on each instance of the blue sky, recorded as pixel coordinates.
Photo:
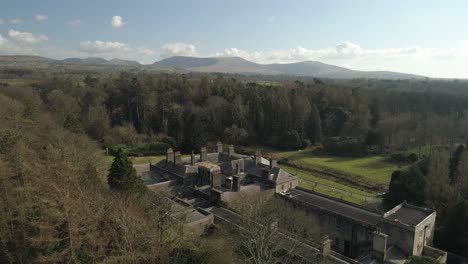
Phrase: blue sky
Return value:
(424, 37)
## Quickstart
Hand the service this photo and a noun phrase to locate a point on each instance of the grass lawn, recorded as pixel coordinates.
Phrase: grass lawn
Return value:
(375, 168)
(147, 159)
(332, 193)
(308, 176)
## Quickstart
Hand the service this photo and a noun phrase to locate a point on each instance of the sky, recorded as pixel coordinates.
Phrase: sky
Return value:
(421, 37)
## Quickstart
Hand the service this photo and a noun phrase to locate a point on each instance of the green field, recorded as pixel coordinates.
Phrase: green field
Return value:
(147, 159)
(308, 176)
(338, 195)
(375, 168)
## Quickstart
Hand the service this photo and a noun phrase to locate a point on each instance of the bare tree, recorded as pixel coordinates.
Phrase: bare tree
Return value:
(267, 230)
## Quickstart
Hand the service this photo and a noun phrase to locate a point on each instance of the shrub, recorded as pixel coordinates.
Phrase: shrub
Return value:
(344, 147)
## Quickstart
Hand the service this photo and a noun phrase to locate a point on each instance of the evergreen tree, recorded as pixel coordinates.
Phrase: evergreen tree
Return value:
(454, 170)
(455, 232)
(314, 129)
(122, 176)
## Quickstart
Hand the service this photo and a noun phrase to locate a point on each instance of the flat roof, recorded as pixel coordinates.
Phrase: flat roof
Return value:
(408, 215)
(208, 165)
(344, 209)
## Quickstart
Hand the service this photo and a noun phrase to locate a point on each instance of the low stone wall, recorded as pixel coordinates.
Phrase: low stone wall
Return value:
(439, 255)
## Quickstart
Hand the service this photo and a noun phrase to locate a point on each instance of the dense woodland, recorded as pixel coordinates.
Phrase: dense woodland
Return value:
(57, 207)
(187, 111)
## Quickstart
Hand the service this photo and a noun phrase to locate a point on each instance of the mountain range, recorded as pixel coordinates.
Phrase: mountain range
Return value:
(233, 65)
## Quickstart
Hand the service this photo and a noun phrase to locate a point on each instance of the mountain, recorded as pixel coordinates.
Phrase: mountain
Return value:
(87, 61)
(211, 64)
(221, 64)
(305, 68)
(22, 59)
(122, 62)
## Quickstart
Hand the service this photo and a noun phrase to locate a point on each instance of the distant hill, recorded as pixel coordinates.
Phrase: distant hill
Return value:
(212, 64)
(122, 62)
(305, 68)
(21, 59)
(100, 61)
(88, 61)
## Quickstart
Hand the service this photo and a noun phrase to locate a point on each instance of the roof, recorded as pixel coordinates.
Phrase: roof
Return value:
(280, 175)
(408, 214)
(208, 165)
(338, 207)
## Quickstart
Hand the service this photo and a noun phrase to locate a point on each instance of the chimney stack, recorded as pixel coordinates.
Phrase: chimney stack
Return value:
(169, 155)
(258, 157)
(231, 150)
(192, 159)
(219, 147)
(177, 158)
(273, 162)
(203, 154)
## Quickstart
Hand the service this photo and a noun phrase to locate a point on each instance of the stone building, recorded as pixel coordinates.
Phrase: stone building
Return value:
(366, 234)
(357, 233)
(222, 175)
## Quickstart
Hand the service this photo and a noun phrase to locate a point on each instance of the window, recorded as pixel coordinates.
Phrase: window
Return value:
(337, 223)
(282, 187)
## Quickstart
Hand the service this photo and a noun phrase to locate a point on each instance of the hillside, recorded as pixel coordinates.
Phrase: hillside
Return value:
(233, 65)
(305, 68)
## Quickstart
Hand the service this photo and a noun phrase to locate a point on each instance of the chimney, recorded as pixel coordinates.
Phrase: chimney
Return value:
(231, 150)
(273, 162)
(169, 155)
(192, 159)
(177, 158)
(258, 157)
(379, 246)
(325, 247)
(203, 154)
(236, 183)
(219, 147)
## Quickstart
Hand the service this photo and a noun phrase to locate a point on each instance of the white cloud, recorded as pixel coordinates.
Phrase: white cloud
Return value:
(97, 47)
(117, 22)
(26, 38)
(110, 50)
(41, 18)
(16, 21)
(178, 49)
(74, 23)
(344, 50)
(2, 40)
(146, 51)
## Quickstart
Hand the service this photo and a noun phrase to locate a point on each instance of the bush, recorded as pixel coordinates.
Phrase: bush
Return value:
(402, 157)
(412, 157)
(305, 143)
(154, 149)
(344, 147)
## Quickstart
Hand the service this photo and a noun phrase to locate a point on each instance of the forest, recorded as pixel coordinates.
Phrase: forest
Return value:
(55, 129)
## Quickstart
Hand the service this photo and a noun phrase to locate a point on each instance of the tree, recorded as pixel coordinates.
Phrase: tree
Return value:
(122, 176)
(455, 233)
(314, 129)
(259, 232)
(235, 135)
(454, 172)
(406, 186)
